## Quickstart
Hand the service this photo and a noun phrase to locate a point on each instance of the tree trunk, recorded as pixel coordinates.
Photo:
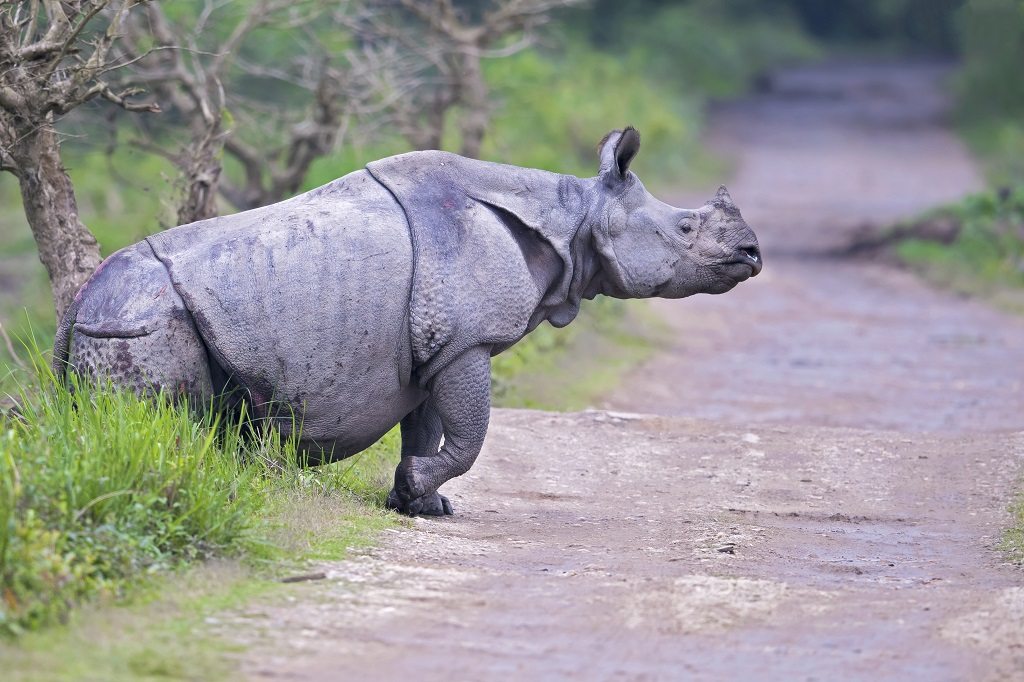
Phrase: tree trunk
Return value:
(423, 127)
(202, 176)
(67, 249)
(473, 95)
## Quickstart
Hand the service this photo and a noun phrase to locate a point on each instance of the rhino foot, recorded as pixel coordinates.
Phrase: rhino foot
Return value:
(431, 504)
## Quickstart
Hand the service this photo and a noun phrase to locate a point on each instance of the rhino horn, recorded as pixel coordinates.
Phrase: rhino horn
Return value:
(722, 195)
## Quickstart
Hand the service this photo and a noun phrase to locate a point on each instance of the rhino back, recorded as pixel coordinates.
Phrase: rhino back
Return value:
(305, 304)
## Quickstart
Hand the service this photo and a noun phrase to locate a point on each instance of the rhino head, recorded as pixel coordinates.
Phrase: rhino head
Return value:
(649, 248)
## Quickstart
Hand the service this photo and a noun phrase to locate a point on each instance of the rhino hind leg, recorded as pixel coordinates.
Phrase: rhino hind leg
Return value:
(171, 359)
(458, 407)
(133, 329)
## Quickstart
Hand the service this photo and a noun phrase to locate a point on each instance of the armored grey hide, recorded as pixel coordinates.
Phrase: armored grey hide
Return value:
(379, 298)
(484, 235)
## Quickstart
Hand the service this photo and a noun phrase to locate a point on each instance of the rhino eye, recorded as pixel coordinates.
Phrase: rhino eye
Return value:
(685, 227)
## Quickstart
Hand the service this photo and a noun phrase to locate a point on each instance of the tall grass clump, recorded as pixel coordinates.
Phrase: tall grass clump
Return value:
(99, 488)
(1013, 538)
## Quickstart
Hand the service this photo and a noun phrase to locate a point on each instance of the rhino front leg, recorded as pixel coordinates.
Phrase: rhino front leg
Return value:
(421, 436)
(460, 402)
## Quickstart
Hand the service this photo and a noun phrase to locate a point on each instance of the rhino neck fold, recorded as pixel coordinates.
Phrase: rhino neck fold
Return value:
(583, 270)
(589, 275)
(472, 285)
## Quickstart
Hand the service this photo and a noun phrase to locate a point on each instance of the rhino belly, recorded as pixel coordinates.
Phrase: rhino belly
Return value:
(304, 304)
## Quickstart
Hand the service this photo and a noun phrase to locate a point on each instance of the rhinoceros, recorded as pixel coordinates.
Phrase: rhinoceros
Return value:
(380, 298)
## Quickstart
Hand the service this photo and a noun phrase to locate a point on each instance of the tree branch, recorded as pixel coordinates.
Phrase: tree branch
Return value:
(252, 163)
(103, 90)
(7, 162)
(121, 98)
(73, 36)
(11, 100)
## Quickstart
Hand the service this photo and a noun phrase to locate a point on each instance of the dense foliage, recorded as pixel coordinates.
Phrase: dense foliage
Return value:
(990, 87)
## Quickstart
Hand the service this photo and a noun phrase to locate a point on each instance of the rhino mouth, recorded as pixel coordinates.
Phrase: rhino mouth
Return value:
(740, 270)
(745, 263)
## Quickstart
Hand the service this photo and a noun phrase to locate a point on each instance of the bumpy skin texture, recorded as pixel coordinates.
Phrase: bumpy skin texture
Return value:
(380, 298)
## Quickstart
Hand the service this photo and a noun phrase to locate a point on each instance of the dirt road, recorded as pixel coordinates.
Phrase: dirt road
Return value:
(815, 490)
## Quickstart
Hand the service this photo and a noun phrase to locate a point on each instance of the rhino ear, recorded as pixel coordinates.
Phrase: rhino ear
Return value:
(618, 148)
(722, 195)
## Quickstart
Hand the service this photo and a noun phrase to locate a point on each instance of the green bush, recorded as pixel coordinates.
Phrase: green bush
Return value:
(992, 45)
(554, 108)
(989, 247)
(710, 49)
(990, 91)
(1000, 144)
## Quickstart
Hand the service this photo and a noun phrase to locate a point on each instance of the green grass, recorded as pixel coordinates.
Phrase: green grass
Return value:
(107, 503)
(1013, 538)
(987, 256)
(169, 637)
(573, 367)
(999, 144)
(166, 628)
(99, 488)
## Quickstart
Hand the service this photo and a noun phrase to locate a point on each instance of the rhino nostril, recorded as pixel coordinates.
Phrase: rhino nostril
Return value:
(751, 252)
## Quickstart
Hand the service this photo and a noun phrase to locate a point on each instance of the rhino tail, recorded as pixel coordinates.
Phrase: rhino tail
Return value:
(62, 341)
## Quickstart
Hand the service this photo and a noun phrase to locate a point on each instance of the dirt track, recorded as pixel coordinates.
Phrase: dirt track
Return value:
(820, 497)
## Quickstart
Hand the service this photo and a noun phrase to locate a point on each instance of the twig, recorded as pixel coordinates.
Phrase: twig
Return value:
(305, 577)
(10, 348)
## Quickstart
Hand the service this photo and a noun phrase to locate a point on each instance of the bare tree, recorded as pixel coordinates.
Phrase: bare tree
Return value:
(274, 142)
(193, 82)
(275, 173)
(401, 71)
(55, 56)
(455, 41)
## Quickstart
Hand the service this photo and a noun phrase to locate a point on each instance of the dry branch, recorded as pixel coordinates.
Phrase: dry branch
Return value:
(52, 57)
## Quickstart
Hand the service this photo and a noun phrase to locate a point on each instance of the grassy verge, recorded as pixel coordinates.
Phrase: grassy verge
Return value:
(167, 627)
(974, 247)
(984, 254)
(99, 489)
(1013, 538)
